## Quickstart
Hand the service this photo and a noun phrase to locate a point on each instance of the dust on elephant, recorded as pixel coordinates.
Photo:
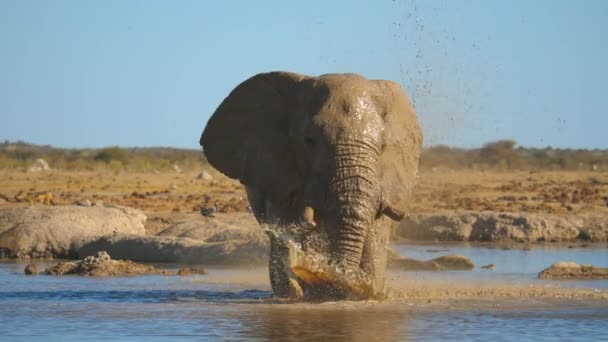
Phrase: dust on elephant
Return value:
(337, 151)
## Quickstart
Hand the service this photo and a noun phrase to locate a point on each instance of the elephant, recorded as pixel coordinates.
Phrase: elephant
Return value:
(337, 152)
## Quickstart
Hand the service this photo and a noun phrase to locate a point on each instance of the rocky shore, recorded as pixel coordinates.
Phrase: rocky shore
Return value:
(491, 226)
(82, 232)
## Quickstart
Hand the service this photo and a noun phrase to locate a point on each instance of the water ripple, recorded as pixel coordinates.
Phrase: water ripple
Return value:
(136, 296)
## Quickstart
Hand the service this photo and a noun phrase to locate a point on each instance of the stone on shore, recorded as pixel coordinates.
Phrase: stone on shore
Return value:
(30, 269)
(179, 249)
(59, 231)
(101, 266)
(442, 263)
(188, 271)
(572, 270)
(495, 226)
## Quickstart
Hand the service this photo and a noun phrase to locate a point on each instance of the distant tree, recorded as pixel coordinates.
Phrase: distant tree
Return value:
(500, 152)
(110, 154)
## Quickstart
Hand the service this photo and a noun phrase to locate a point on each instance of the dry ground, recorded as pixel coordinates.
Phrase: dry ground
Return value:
(165, 197)
(557, 192)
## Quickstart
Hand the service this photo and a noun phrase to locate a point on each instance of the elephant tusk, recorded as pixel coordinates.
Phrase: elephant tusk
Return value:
(308, 217)
(392, 212)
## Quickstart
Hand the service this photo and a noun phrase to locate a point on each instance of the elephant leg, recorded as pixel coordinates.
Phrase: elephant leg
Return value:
(375, 251)
(282, 280)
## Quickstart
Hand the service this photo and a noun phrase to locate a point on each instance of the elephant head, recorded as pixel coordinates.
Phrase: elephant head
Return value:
(338, 147)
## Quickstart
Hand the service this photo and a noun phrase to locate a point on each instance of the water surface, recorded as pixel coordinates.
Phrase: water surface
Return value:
(237, 304)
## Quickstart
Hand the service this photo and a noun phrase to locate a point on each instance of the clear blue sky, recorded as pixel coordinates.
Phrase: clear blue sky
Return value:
(149, 73)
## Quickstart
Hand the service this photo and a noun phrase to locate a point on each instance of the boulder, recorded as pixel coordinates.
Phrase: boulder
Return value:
(101, 266)
(39, 166)
(180, 249)
(495, 226)
(83, 203)
(234, 239)
(442, 263)
(30, 269)
(204, 176)
(187, 271)
(59, 231)
(572, 270)
(237, 226)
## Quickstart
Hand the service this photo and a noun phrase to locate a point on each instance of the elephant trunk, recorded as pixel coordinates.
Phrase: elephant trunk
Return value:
(356, 191)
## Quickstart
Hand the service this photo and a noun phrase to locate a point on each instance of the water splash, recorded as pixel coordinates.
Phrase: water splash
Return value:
(307, 256)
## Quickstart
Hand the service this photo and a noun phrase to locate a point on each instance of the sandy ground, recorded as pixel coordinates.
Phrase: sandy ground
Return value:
(558, 192)
(164, 197)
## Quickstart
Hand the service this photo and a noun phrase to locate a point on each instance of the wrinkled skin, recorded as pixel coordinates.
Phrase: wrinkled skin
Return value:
(337, 152)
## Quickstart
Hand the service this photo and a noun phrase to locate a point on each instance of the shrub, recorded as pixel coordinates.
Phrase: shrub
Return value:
(110, 154)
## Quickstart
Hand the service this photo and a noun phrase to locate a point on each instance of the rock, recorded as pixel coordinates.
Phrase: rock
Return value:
(204, 176)
(235, 239)
(409, 264)
(59, 231)
(39, 165)
(84, 203)
(436, 227)
(454, 262)
(572, 270)
(62, 268)
(176, 168)
(102, 256)
(178, 249)
(30, 269)
(101, 266)
(442, 263)
(237, 226)
(187, 271)
(489, 267)
(494, 226)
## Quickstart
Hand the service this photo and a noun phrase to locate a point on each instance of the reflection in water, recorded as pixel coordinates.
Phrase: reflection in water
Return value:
(309, 323)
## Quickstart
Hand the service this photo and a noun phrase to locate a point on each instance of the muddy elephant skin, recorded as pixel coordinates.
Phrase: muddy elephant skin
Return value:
(337, 152)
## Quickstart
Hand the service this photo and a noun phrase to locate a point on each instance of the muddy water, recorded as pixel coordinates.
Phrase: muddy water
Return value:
(237, 304)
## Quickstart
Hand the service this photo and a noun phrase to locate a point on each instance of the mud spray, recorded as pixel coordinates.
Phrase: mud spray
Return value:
(307, 257)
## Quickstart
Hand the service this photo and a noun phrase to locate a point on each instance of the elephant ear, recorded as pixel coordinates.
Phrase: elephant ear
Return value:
(246, 137)
(401, 146)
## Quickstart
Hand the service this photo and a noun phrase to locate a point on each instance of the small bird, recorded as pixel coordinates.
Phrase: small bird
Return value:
(208, 212)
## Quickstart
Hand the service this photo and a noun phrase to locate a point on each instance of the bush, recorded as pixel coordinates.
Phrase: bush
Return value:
(109, 154)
